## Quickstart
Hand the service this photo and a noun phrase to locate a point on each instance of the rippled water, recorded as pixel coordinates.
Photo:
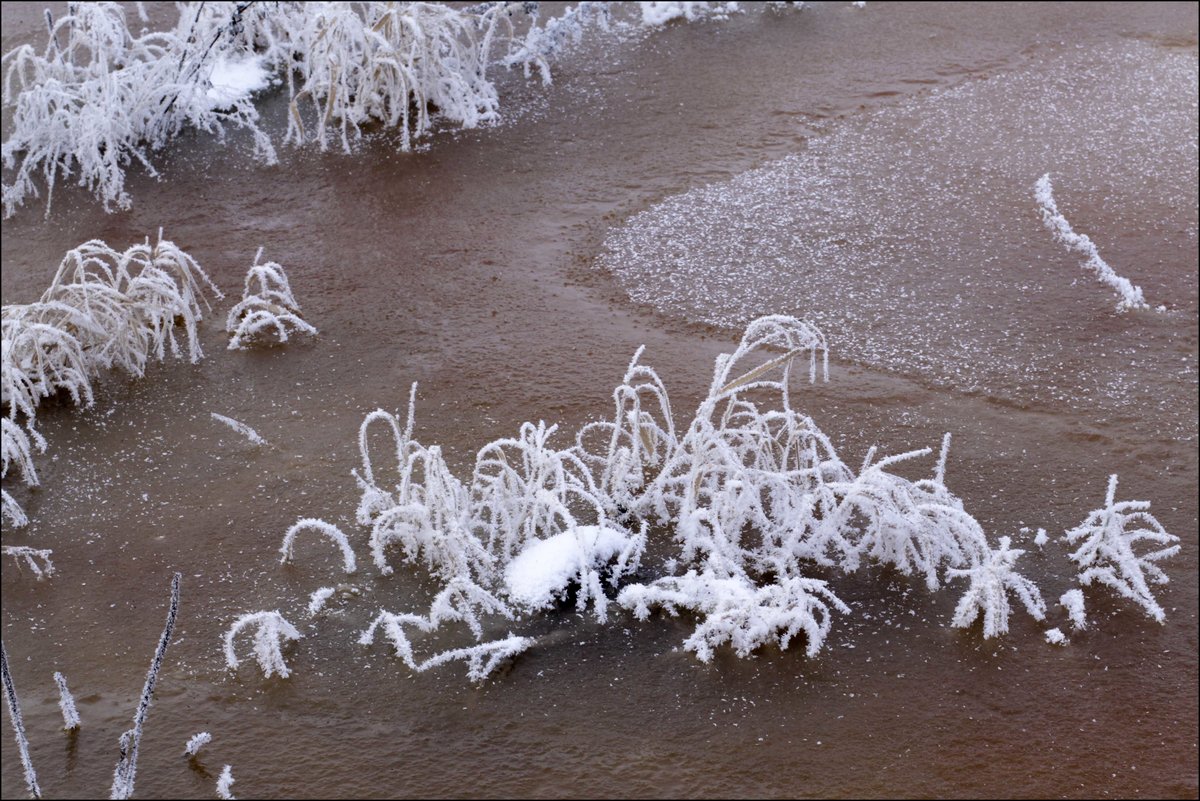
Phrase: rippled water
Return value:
(892, 152)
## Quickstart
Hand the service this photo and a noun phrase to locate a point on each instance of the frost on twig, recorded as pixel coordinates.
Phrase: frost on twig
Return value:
(273, 630)
(1106, 541)
(196, 742)
(269, 309)
(1130, 295)
(482, 660)
(224, 782)
(329, 530)
(1072, 601)
(316, 601)
(18, 724)
(241, 428)
(990, 581)
(126, 770)
(66, 703)
(30, 556)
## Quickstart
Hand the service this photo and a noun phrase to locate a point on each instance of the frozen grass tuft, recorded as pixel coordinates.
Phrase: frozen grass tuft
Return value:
(272, 632)
(752, 491)
(267, 308)
(1106, 541)
(104, 309)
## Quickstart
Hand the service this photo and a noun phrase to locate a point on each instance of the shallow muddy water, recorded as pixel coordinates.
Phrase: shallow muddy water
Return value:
(870, 169)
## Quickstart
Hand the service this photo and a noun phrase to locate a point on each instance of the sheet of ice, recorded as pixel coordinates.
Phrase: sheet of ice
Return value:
(545, 569)
(908, 234)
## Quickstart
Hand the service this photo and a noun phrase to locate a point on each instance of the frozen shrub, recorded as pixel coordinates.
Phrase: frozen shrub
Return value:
(269, 309)
(271, 633)
(1106, 553)
(990, 581)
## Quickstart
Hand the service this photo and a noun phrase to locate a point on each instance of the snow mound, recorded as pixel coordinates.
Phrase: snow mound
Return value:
(541, 573)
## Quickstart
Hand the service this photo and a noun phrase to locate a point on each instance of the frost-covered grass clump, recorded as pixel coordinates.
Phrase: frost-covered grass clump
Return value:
(1106, 554)
(104, 309)
(751, 493)
(267, 307)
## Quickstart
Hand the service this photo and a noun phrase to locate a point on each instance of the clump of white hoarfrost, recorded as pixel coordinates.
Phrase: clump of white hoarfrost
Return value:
(991, 579)
(224, 782)
(335, 534)
(1056, 637)
(273, 630)
(241, 428)
(1072, 601)
(30, 558)
(104, 309)
(1106, 551)
(738, 612)
(1131, 296)
(269, 309)
(196, 742)
(99, 98)
(66, 703)
(753, 492)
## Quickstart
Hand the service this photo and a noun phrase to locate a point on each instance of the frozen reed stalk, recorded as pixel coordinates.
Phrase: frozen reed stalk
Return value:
(329, 530)
(316, 601)
(195, 743)
(1130, 295)
(224, 782)
(30, 556)
(482, 660)
(241, 428)
(991, 579)
(1072, 601)
(1106, 550)
(66, 703)
(14, 715)
(271, 307)
(126, 770)
(273, 630)
(16, 451)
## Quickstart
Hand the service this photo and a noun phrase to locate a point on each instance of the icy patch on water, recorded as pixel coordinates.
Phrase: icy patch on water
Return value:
(910, 237)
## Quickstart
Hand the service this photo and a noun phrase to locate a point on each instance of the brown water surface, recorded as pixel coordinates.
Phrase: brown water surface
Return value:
(480, 267)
